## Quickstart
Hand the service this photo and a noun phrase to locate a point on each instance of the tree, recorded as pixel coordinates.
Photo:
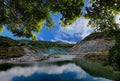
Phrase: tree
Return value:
(101, 14)
(114, 52)
(24, 17)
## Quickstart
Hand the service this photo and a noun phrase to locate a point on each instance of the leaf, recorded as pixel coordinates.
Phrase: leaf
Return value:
(1, 29)
(34, 37)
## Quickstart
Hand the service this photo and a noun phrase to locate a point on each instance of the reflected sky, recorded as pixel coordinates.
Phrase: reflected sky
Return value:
(67, 72)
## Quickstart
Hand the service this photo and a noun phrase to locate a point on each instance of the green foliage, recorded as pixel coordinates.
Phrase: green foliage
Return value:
(114, 52)
(102, 13)
(42, 47)
(98, 69)
(24, 17)
(6, 42)
(99, 35)
(114, 55)
(10, 52)
(1, 28)
(9, 48)
(97, 56)
(43, 44)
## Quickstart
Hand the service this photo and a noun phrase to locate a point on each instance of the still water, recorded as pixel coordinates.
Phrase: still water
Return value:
(46, 72)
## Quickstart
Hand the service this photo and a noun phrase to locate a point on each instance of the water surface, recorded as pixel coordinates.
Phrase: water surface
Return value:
(47, 72)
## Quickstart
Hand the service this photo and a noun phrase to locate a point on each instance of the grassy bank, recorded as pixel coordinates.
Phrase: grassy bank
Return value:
(96, 63)
(98, 56)
(99, 70)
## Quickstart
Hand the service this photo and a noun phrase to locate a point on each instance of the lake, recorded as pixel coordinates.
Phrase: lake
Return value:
(59, 71)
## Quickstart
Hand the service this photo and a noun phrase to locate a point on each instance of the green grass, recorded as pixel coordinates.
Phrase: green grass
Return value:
(98, 70)
(44, 45)
(96, 64)
(98, 56)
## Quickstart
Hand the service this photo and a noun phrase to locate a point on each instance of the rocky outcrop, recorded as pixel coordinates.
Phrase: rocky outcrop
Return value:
(92, 46)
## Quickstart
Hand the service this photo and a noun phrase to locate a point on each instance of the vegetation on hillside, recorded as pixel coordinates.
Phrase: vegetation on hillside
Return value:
(8, 48)
(98, 69)
(114, 52)
(14, 48)
(42, 44)
(99, 35)
(113, 56)
(102, 16)
(42, 47)
(27, 16)
(104, 61)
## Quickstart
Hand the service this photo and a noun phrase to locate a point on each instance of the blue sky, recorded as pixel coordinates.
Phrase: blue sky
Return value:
(72, 34)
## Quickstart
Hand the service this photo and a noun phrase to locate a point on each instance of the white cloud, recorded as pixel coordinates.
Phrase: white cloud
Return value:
(28, 71)
(117, 18)
(53, 40)
(77, 31)
(73, 33)
(80, 27)
(47, 69)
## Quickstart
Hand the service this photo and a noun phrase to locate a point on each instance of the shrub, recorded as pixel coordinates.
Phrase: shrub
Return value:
(114, 52)
(11, 52)
(114, 55)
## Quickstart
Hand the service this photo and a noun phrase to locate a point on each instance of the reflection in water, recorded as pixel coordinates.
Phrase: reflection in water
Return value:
(66, 72)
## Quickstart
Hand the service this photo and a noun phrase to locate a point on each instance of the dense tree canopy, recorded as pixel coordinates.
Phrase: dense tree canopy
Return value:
(102, 17)
(102, 14)
(23, 17)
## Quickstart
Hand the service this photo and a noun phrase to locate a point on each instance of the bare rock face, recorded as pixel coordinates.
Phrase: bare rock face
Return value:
(95, 45)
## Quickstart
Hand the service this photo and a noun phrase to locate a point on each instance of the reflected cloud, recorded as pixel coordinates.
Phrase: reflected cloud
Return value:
(55, 70)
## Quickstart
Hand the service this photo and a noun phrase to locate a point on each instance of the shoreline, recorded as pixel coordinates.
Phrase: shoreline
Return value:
(33, 58)
(29, 56)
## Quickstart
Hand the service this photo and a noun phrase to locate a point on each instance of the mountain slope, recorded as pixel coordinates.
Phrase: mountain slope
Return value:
(15, 48)
(8, 48)
(95, 42)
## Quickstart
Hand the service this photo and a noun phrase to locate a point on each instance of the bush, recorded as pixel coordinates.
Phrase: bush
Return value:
(11, 52)
(6, 42)
(114, 52)
(114, 55)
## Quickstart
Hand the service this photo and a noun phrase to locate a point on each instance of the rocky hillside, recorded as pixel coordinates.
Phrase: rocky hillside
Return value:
(8, 48)
(93, 43)
(15, 48)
